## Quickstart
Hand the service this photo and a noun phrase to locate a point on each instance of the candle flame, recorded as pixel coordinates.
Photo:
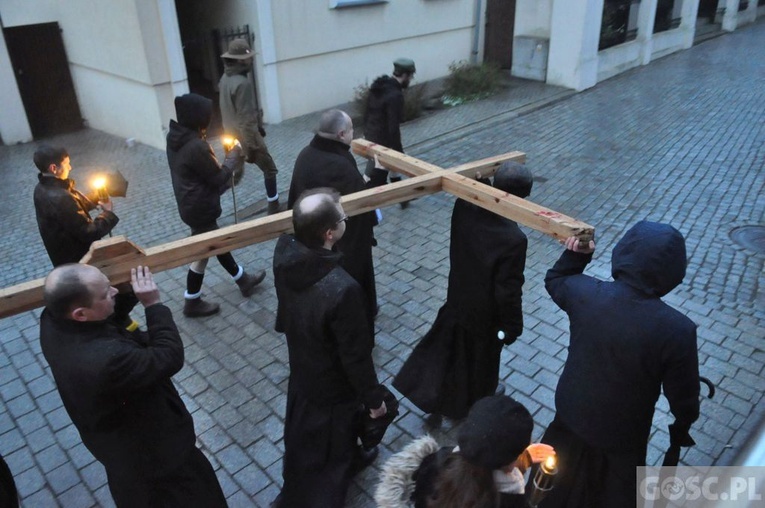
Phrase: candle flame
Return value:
(550, 462)
(228, 141)
(99, 183)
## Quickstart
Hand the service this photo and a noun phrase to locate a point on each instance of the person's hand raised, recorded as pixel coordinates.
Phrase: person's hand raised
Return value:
(144, 287)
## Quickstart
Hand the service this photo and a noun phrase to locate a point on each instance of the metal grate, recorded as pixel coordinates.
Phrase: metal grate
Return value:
(750, 237)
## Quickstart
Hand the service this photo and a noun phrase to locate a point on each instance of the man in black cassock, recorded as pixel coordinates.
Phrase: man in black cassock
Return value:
(457, 362)
(328, 162)
(116, 387)
(332, 377)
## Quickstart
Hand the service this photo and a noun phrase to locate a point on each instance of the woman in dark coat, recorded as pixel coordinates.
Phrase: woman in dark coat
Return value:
(457, 362)
(486, 470)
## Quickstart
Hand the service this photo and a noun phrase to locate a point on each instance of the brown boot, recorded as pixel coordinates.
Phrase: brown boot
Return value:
(196, 307)
(275, 207)
(248, 282)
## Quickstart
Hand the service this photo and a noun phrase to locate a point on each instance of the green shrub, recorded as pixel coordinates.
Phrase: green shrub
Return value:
(468, 82)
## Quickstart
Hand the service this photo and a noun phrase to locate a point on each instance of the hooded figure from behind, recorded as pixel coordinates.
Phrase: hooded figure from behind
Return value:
(626, 347)
(198, 182)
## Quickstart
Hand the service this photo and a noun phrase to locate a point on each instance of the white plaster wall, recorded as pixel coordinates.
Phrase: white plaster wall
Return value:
(330, 88)
(574, 38)
(670, 41)
(533, 18)
(28, 12)
(617, 59)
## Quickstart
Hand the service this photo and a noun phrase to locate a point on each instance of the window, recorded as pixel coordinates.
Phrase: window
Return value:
(668, 14)
(619, 23)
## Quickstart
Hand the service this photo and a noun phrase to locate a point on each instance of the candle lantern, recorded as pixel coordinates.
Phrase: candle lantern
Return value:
(544, 480)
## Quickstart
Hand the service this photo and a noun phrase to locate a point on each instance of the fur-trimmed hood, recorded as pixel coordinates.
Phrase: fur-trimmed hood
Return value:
(396, 480)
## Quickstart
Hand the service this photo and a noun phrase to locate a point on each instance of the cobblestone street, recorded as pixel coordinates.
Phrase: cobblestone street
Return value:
(681, 140)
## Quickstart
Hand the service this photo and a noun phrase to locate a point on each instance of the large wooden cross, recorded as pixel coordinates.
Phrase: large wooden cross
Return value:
(116, 256)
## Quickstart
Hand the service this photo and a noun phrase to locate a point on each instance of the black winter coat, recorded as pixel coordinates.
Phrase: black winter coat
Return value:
(329, 163)
(66, 228)
(198, 178)
(117, 390)
(385, 112)
(626, 344)
(321, 311)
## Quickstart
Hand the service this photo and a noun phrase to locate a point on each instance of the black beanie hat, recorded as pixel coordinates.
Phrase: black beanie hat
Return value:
(495, 432)
(514, 178)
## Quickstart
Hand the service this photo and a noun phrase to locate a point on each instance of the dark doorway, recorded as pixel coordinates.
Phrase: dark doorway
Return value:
(42, 74)
(500, 23)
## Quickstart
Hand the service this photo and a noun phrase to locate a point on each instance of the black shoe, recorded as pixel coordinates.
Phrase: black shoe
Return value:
(248, 282)
(363, 459)
(277, 502)
(404, 204)
(433, 421)
(500, 390)
(197, 307)
(275, 207)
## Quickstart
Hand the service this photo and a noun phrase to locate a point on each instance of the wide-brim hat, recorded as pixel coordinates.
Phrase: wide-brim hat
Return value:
(404, 65)
(238, 49)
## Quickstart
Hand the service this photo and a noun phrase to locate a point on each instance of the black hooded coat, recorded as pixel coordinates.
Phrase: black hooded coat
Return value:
(457, 361)
(385, 112)
(626, 346)
(329, 163)
(332, 376)
(198, 178)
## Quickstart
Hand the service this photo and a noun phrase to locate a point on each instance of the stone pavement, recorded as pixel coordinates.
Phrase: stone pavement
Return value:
(681, 140)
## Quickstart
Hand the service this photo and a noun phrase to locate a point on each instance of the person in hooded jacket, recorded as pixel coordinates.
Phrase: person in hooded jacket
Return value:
(626, 346)
(485, 470)
(384, 114)
(457, 361)
(198, 182)
(241, 117)
(332, 377)
(327, 162)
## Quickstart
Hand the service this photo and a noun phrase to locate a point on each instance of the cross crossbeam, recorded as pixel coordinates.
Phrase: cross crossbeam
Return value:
(116, 256)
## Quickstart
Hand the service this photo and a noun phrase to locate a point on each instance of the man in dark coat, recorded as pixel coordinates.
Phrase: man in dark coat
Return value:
(116, 388)
(457, 362)
(242, 117)
(327, 162)
(198, 182)
(65, 224)
(626, 347)
(384, 114)
(332, 377)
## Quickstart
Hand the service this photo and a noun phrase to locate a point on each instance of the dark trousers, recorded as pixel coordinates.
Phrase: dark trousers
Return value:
(8, 495)
(192, 484)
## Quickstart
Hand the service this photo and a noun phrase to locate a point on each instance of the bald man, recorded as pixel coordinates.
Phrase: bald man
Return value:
(116, 387)
(321, 310)
(327, 162)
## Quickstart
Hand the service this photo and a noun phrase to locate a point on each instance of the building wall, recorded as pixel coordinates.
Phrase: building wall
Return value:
(123, 57)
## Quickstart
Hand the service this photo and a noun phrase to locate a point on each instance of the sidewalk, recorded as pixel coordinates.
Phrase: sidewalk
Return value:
(678, 141)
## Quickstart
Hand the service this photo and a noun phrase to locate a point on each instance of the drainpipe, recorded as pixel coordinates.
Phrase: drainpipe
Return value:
(476, 32)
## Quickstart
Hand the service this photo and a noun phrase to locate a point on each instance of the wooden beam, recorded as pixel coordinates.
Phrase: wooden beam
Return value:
(525, 212)
(487, 167)
(393, 160)
(116, 256)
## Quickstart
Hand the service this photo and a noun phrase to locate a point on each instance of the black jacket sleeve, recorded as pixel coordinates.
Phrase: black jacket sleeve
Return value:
(559, 282)
(395, 113)
(207, 168)
(77, 222)
(137, 366)
(680, 383)
(354, 346)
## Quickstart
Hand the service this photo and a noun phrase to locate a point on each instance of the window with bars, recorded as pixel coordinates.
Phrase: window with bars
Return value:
(668, 15)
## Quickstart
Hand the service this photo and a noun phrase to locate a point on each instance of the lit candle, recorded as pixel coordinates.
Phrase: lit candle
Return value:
(228, 142)
(100, 185)
(544, 480)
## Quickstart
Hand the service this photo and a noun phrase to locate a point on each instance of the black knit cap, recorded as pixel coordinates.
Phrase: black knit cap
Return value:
(495, 432)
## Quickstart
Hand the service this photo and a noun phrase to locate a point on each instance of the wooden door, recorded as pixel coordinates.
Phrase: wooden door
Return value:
(500, 22)
(42, 74)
